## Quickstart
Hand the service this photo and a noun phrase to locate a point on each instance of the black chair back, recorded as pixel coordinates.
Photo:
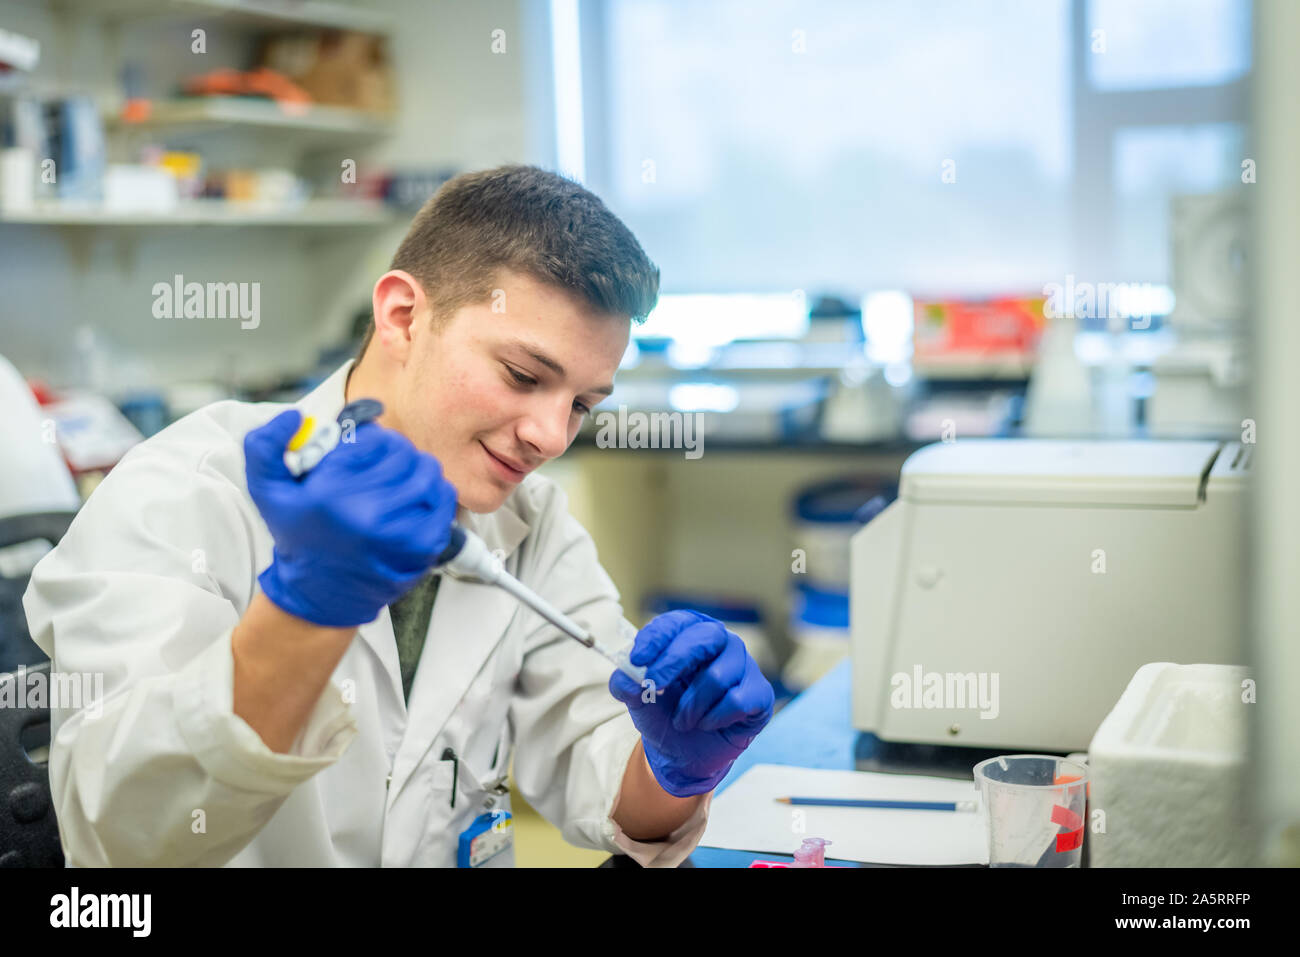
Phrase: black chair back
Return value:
(29, 832)
(16, 645)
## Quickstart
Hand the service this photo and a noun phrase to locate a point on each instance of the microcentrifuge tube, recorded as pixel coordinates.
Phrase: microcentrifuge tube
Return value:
(623, 653)
(812, 853)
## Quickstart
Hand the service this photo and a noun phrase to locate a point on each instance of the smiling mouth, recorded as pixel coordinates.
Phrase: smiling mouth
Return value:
(511, 470)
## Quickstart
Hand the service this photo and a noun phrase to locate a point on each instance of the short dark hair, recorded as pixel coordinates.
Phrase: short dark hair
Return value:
(529, 220)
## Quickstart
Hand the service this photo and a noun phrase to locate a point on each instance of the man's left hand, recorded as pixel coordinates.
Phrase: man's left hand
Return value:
(708, 700)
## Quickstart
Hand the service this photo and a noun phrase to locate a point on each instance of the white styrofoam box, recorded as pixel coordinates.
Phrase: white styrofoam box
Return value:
(1169, 770)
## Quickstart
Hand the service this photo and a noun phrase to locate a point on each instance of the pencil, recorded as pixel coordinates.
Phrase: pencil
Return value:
(899, 805)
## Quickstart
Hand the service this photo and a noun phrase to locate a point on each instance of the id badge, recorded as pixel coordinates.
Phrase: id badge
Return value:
(490, 833)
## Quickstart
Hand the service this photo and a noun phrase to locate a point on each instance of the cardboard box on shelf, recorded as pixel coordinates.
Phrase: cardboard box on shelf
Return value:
(336, 67)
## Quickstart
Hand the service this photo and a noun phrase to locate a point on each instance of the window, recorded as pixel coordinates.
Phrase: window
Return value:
(1151, 44)
(954, 147)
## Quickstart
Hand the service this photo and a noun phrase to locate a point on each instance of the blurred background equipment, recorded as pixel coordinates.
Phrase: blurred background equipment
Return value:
(35, 477)
(1201, 383)
(37, 502)
(825, 518)
(976, 339)
(1055, 569)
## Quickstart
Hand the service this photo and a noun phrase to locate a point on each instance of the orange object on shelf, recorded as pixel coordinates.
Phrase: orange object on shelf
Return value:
(137, 110)
(219, 82)
(262, 81)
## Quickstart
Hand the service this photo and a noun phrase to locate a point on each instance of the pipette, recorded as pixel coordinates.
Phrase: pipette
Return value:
(466, 555)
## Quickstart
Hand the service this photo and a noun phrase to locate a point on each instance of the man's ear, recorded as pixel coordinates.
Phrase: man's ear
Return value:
(398, 300)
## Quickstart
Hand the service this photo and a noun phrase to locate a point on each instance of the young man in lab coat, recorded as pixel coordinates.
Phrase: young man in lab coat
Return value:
(285, 684)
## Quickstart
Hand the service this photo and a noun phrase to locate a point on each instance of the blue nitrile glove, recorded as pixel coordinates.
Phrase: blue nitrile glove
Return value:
(354, 533)
(709, 700)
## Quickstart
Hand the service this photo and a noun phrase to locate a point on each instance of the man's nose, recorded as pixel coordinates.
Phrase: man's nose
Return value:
(547, 428)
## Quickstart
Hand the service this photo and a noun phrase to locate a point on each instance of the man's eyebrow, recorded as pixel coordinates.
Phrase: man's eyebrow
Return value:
(553, 365)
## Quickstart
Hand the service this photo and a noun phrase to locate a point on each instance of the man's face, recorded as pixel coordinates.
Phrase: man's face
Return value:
(494, 394)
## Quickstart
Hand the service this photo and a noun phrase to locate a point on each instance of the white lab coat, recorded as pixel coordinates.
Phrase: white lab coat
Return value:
(146, 588)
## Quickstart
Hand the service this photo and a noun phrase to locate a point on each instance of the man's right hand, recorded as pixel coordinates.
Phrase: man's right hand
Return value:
(357, 531)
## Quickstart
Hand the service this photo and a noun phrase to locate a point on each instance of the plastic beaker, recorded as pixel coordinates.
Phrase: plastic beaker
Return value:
(1033, 807)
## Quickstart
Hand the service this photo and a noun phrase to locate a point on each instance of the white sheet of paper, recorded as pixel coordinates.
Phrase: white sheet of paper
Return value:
(746, 816)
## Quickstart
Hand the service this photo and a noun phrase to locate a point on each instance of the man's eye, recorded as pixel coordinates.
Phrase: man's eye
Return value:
(521, 379)
(580, 408)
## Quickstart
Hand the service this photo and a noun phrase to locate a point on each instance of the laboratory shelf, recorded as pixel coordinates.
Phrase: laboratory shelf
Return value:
(1007, 368)
(212, 113)
(260, 14)
(320, 212)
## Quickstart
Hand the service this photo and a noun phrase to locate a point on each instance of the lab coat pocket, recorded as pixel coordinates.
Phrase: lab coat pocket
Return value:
(443, 780)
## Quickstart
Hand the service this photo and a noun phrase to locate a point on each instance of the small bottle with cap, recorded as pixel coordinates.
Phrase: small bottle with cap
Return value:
(812, 853)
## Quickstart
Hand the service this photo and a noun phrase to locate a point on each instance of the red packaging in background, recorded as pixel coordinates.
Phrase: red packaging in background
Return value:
(976, 336)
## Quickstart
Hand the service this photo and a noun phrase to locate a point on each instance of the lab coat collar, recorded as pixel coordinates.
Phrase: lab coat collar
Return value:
(469, 619)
